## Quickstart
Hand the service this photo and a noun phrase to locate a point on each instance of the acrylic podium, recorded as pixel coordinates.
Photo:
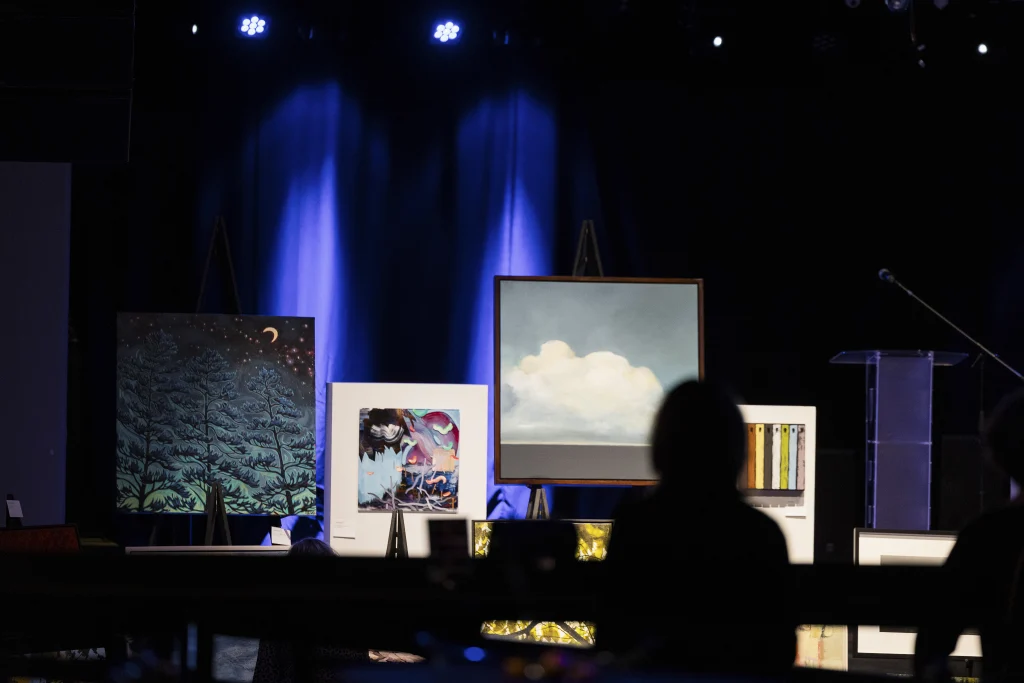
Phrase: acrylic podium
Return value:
(898, 478)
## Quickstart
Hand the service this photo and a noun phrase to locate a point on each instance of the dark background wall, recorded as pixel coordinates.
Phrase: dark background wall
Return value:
(35, 247)
(784, 182)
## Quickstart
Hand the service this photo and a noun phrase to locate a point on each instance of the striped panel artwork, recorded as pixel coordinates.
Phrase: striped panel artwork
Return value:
(775, 457)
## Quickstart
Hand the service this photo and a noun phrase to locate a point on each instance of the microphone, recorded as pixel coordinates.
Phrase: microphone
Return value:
(885, 275)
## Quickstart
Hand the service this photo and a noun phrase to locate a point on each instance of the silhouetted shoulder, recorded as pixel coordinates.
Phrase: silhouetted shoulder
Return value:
(765, 524)
(761, 534)
(994, 523)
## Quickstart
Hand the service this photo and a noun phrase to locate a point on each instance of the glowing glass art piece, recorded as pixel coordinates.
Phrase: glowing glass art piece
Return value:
(569, 633)
(592, 546)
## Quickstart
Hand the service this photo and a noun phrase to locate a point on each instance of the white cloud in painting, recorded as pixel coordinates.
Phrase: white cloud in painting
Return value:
(559, 397)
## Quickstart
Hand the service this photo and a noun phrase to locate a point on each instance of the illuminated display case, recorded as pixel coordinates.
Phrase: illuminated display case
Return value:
(592, 546)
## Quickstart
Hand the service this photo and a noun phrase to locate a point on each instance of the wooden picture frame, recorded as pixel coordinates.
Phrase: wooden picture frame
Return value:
(498, 280)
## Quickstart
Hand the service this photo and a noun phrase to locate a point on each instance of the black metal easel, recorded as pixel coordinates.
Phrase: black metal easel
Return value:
(398, 547)
(216, 512)
(587, 253)
(220, 247)
(586, 248)
(216, 515)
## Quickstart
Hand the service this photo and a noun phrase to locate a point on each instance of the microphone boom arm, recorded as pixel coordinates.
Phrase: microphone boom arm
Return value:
(889, 278)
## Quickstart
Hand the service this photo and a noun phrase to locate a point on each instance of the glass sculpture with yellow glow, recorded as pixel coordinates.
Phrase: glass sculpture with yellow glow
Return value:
(591, 546)
(591, 539)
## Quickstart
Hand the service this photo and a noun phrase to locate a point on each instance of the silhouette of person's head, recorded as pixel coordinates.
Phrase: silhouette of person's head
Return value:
(311, 547)
(699, 436)
(1004, 436)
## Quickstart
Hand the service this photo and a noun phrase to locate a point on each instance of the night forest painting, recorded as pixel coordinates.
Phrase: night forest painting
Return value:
(409, 460)
(207, 399)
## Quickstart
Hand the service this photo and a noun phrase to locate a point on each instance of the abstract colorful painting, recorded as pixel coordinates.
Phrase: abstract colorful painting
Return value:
(776, 457)
(216, 399)
(582, 367)
(408, 460)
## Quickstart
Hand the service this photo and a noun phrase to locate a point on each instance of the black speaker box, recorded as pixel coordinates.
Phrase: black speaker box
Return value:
(838, 504)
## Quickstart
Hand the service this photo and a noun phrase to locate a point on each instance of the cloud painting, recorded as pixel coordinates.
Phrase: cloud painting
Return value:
(558, 396)
(585, 364)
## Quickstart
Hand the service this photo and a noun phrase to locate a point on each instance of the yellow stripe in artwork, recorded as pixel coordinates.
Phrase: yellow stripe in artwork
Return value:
(759, 457)
(784, 455)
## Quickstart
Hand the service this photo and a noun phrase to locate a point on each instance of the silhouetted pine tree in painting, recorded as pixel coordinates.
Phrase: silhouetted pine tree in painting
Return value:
(146, 467)
(209, 424)
(217, 413)
(287, 457)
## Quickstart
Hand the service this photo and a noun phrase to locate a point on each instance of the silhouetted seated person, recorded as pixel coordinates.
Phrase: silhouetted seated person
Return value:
(984, 573)
(541, 541)
(698, 579)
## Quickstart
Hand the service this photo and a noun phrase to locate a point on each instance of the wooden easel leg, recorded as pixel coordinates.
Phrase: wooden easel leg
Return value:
(154, 533)
(216, 516)
(586, 249)
(397, 546)
(537, 508)
(211, 515)
(223, 515)
(219, 240)
(403, 548)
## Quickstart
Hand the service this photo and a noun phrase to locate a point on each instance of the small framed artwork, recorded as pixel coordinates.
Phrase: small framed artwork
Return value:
(779, 476)
(821, 647)
(418, 449)
(874, 547)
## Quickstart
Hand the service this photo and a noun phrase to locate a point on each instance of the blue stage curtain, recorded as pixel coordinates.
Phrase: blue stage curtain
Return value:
(507, 190)
(389, 232)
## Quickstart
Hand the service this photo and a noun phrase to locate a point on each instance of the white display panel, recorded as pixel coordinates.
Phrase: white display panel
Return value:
(793, 511)
(876, 548)
(352, 532)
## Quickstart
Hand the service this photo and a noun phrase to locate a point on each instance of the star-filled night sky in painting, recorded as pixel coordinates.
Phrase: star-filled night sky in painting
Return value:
(204, 399)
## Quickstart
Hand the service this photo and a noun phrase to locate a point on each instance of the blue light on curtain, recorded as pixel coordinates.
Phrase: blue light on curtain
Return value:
(507, 184)
(305, 155)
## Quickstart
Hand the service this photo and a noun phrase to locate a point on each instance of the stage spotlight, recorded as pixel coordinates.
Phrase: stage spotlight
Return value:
(253, 25)
(195, 29)
(982, 49)
(446, 32)
(717, 42)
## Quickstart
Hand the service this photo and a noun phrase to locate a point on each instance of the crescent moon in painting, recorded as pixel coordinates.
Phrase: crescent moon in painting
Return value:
(273, 331)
